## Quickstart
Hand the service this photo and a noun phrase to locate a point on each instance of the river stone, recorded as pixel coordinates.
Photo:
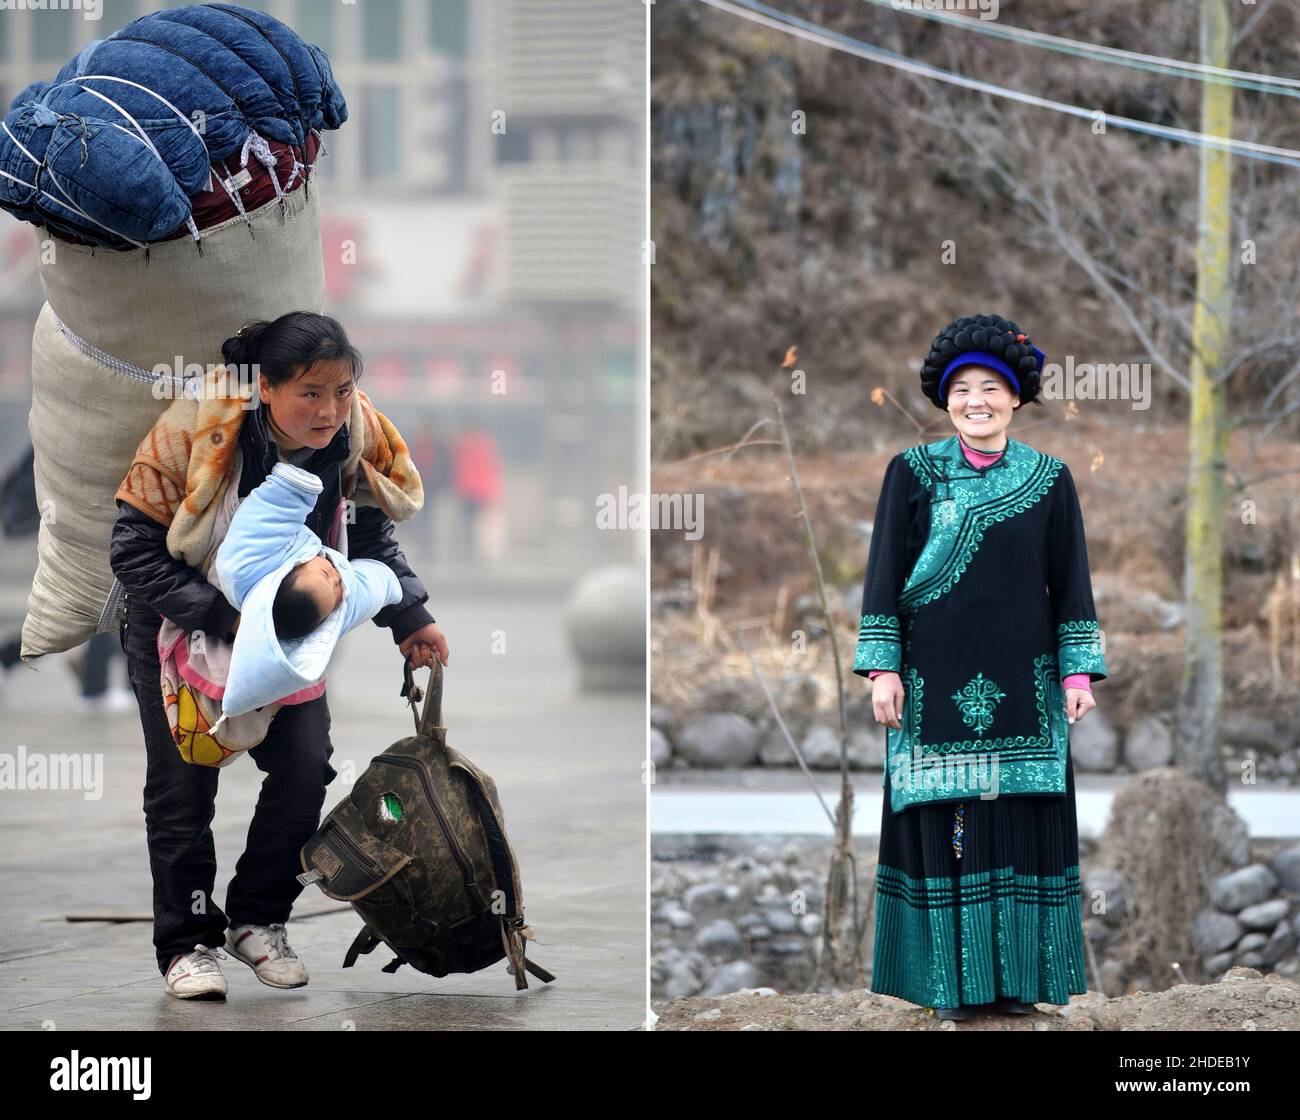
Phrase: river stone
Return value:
(1212, 932)
(682, 980)
(664, 719)
(1148, 744)
(821, 748)
(782, 921)
(718, 739)
(867, 748)
(702, 897)
(1239, 889)
(1093, 743)
(1286, 866)
(1230, 833)
(1111, 885)
(1247, 731)
(774, 749)
(731, 977)
(1264, 915)
(1281, 943)
(1218, 964)
(678, 918)
(661, 751)
(719, 939)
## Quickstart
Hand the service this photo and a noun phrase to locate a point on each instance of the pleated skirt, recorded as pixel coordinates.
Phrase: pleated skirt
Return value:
(980, 900)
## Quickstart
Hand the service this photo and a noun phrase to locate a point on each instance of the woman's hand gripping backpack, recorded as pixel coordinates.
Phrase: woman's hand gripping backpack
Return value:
(420, 850)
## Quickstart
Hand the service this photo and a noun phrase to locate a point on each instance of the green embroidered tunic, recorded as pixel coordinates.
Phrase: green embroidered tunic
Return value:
(977, 593)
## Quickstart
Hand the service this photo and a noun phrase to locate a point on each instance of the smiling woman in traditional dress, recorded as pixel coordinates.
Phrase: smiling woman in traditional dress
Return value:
(980, 635)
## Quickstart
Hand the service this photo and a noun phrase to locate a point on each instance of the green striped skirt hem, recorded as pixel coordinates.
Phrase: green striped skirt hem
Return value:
(1017, 936)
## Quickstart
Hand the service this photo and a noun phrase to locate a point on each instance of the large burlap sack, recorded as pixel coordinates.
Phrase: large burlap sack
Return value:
(109, 318)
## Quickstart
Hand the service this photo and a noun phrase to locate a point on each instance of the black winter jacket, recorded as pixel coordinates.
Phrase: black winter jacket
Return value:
(151, 575)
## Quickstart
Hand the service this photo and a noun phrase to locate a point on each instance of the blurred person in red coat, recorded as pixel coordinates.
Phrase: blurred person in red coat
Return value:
(477, 467)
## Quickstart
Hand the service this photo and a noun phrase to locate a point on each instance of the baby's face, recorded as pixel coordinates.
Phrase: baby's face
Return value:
(319, 577)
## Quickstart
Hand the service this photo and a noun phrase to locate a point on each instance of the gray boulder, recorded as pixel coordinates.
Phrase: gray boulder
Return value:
(1286, 866)
(1218, 964)
(1248, 731)
(774, 749)
(703, 897)
(661, 751)
(719, 939)
(718, 739)
(1264, 915)
(1281, 944)
(1230, 833)
(1094, 744)
(1103, 894)
(664, 719)
(821, 748)
(1148, 744)
(1239, 889)
(731, 977)
(1212, 932)
(867, 747)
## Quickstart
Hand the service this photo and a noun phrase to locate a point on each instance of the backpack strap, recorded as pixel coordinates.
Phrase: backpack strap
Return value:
(538, 971)
(515, 940)
(362, 943)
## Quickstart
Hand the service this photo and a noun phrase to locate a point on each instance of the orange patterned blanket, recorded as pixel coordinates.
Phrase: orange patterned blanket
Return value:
(190, 456)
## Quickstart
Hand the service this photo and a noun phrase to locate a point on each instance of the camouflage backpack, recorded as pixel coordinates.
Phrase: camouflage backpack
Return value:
(419, 848)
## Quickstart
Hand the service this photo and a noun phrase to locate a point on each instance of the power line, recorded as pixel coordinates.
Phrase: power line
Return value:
(804, 29)
(1239, 79)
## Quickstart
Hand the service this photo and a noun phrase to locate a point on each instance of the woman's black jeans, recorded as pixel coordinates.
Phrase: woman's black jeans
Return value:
(179, 802)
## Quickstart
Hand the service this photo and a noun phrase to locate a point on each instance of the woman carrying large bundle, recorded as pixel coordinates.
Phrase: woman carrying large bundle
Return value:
(979, 633)
(200, 458)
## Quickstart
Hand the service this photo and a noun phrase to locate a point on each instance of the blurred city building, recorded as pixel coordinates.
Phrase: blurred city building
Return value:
(482, 229)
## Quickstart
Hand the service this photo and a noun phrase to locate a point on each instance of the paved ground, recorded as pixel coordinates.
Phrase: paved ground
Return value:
(568, 769)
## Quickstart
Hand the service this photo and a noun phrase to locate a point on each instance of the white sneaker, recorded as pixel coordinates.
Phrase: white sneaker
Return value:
(265, 949)
(196, 975)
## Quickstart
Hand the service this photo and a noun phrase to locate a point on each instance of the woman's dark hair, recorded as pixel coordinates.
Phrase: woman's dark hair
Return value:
(293, 343)
(295, 613)
(991, 333)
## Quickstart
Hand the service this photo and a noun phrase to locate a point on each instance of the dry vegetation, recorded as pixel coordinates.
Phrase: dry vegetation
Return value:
(831, 241)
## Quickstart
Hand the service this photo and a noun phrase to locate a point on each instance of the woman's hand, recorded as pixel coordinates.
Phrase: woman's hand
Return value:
(887, 695)
(418, 647)
(1078, 703)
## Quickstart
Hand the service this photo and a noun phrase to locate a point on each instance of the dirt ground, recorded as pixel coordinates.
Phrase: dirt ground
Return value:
(1244, 1000)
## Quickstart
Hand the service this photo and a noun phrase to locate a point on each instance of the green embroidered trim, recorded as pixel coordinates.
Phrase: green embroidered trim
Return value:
(959, 520)
(1024, 763)
(918, 459)
(977, 701)
(1079, 647)
(879, 646)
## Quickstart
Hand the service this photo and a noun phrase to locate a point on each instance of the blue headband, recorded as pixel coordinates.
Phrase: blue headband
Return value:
(983, 358)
